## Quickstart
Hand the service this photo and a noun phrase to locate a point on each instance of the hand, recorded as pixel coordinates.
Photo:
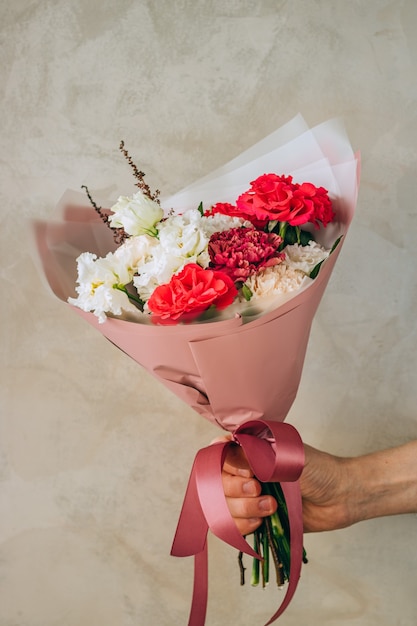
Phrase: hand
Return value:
(325, 486)
(336, 491)
(322, 486)
(243, 492)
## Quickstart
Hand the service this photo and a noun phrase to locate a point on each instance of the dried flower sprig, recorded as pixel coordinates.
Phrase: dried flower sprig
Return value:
(119, 234)
(139, 175)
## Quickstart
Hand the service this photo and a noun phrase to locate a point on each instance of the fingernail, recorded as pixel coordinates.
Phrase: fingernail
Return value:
(249, 488)
(264, 505)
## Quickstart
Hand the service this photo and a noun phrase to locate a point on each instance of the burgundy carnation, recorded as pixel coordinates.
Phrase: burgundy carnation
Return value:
(241, 252)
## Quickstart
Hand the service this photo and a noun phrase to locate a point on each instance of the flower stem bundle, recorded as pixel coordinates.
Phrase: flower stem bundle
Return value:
(271, 540)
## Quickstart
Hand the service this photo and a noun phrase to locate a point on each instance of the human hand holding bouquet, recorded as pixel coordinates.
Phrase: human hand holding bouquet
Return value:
(214, 290)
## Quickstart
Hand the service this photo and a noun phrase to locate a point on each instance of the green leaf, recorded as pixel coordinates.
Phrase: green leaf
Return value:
(200, 208)
(246, 293)
(336, 243)
(305, 237)
(314, 272)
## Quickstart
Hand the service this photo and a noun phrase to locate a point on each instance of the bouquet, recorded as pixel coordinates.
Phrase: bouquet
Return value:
(214, 290)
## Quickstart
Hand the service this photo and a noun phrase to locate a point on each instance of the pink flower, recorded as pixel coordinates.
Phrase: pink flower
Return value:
(272, 197)
(191, 292)
(240, 252)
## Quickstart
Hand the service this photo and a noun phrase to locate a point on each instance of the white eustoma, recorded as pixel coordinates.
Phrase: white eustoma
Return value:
(135, 252)
(182, 239)
(182, 236)
(137, 215)
(99, 282)
(305, 258)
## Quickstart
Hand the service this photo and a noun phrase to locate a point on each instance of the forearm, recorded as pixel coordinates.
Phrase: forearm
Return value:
(384, 483)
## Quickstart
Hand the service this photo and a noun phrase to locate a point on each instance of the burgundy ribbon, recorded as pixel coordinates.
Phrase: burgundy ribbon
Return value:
(276, 454)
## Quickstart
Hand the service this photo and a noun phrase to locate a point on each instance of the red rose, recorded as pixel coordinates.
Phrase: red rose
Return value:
(225, 208)
(318, 199)
(191, 292)
(241, 252)
(273, 197)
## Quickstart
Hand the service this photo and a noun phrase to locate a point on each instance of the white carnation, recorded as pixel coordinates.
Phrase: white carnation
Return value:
(219, 222)
(275, 280)
(305, 258)
(137, 215)
(98, 281)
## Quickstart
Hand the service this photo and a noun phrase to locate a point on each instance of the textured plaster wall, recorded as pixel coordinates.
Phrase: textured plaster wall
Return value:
(94, 454)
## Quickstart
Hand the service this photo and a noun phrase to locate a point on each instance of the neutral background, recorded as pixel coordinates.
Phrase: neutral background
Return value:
(94, 454)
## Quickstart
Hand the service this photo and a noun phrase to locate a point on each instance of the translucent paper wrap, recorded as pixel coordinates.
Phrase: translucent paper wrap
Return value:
(231, 371)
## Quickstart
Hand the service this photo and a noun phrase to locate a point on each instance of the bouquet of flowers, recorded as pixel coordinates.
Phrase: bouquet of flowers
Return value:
(189, 266)
(207, 289)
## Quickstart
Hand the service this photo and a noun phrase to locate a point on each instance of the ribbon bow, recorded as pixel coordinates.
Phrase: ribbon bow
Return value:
(275, 453)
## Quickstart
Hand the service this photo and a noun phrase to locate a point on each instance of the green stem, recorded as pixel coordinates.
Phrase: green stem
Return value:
(254, 581)
(275, 555)
(131, 297)
(265, 562)
(282, 230)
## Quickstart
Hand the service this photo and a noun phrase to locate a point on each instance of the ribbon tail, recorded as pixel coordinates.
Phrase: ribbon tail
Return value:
(200, 590)
(190, 536)
(293, 500)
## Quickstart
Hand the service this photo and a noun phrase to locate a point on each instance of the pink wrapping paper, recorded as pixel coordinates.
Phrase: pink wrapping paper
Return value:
(228, 371)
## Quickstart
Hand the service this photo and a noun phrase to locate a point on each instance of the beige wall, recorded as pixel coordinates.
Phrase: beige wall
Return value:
(94, 454)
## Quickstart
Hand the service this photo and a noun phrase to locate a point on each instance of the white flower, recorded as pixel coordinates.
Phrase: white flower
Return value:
(181, 240)
(137, 215)
(278, 279)
(135, 252)
(182, 236)
(157, 271)
(99, 283)
(305, 258)
(218, 223)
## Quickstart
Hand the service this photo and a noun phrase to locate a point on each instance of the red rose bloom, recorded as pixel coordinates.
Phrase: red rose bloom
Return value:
(241, 252)
(273, 197)
(191, 292)
(225, 208)
(318, 199)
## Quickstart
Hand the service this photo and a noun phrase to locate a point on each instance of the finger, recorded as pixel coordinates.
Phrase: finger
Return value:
(251, 508)
(236, 462)
(221, 439)
(239, 486)
(248, 526)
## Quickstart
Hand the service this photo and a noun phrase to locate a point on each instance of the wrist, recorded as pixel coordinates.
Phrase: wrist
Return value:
(383, 483)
